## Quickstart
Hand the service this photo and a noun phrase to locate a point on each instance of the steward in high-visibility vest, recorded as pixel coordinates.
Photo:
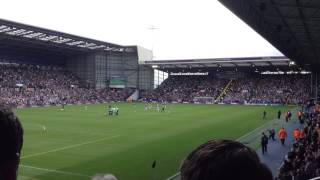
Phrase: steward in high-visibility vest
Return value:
(296, 134)
(302, 134)
(282, 135)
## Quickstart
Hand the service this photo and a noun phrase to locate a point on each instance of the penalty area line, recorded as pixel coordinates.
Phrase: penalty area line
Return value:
(69, 147)
(173, 176)
(55, 171)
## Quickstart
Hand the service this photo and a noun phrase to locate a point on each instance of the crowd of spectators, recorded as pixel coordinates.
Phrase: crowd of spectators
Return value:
(303, 161)
(185, 89)
(269, 89)
(258, 89)
(28, 85)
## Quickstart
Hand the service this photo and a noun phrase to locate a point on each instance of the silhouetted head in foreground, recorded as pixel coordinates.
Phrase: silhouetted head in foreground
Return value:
(104, 177)
(224, 160)
(11, 140)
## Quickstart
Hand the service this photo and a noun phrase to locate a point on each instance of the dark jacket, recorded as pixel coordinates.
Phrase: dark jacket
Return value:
(264, 140)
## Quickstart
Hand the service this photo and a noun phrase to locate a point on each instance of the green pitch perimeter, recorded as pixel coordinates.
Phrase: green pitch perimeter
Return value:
(77, 143)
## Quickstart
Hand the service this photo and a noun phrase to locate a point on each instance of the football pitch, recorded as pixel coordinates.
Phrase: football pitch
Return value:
(79, 142)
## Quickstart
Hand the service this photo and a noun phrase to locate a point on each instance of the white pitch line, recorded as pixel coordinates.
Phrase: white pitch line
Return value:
(55, 171)
(254, 130)
(258, 128)
(238, 139)
(173, 176)
(69, 147)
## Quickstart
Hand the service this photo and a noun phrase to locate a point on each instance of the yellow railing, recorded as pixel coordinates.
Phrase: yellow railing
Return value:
(224, 91)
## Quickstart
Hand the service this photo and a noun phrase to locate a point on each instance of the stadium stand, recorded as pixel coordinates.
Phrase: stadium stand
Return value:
(302, 162)
(291, 26)
(258, 89)
(184, 89)
(29, 85)
(269, 89)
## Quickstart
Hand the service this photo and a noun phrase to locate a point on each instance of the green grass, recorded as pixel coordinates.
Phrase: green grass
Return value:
(79, 143)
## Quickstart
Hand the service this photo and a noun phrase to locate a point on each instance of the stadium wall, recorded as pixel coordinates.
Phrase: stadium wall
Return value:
(146, 78)
(100, 69)
(84, 67)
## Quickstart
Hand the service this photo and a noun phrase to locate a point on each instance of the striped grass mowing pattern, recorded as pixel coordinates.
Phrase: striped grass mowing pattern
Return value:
(77, 143)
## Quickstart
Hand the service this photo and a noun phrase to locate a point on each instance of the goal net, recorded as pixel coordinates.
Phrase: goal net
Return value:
(203, 100)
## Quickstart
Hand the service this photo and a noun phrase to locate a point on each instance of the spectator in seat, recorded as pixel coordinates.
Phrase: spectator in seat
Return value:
(11, 140)
(223, 160)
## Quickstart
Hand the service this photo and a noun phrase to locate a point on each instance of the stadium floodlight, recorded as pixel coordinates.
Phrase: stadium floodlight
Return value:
(3, 27)
(292, 63)
(86, 45)
(305, 72)
(48, 38)
(33, 35)
(109, 48)
(16, 32)
(97, 47)
(62, 40)
(74, 43)
(24, 32)
(6, 29)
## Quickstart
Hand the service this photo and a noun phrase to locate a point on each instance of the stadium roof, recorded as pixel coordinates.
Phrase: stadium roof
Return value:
(243, 62)
(21, 38)
(292, 26)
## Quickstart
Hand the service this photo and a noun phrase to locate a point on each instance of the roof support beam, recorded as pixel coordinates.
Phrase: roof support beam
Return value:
(252, 64)
(298, 50)
(285, 23)
(41, 49)
(305, 6)
(270, 63)
(302, 17)
(236, 65)
(308, 19)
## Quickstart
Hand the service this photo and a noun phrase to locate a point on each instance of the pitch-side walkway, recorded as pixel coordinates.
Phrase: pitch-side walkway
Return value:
(276, 152)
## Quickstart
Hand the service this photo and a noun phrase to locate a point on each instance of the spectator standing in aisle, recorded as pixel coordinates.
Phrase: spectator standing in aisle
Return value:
(282, 135)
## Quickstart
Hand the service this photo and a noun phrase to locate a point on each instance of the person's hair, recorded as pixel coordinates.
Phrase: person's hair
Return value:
(223, 160)
(104, 177)
(11, 137)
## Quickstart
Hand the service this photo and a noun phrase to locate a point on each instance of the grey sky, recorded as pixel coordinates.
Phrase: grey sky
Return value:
(186, 28)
